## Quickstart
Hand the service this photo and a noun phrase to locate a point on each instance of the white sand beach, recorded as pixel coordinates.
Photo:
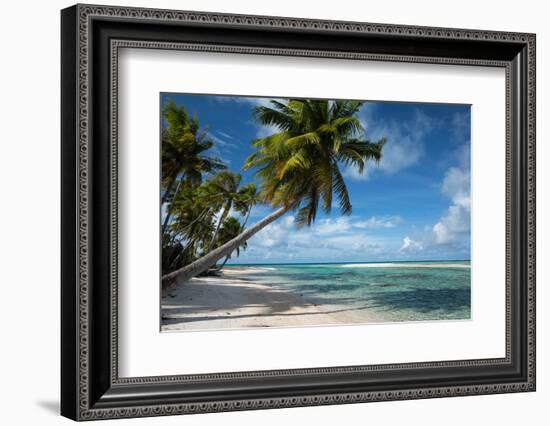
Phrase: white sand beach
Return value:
(234, 300)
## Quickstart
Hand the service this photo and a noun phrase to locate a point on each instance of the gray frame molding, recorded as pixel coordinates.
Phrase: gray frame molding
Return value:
(86, 407)
(116, 45)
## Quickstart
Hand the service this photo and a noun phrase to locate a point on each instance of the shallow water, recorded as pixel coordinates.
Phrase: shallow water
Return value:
(395, 291)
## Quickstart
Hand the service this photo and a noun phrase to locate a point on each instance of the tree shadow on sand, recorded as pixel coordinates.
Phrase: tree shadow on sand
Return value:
(178, 307)
(171, 321)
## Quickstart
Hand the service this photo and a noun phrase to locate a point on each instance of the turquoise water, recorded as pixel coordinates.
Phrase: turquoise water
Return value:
(394, 291)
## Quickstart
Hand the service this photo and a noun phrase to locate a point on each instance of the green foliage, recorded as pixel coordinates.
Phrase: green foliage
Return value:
(299, 166)
(183, 148)
(196, 209)
(229, 230)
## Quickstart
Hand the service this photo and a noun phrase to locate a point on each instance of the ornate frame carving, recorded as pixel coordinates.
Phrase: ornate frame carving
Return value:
(83, 396)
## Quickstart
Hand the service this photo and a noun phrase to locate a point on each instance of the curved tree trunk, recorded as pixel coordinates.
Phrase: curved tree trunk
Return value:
(168, 189)
(202, 264)
(218, 226)
(219, 268)
(170, 207)
(247, 216)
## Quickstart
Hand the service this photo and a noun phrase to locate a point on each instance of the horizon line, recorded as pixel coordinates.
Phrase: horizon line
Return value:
(339, 263)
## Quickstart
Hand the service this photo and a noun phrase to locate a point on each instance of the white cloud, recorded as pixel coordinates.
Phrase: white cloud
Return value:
(456, 222)
(462, 155)
(405, 144)
(355, 242)
(398, 156)
(225, 135)
(411, 246)
(257, 101)
(331, 226)
(350, 223)
(453, 227)
(328, 239)
(263, 131)
(353, 173)
(273, 235)
(244, 100)
(380, 222)
(456, 185)
(405, 141)
(218, 140)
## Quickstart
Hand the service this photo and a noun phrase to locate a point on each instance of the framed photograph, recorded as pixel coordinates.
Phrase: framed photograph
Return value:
(263, 212)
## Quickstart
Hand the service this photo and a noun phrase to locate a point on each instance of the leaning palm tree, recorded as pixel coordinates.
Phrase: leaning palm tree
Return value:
(231, 228)
(225, 193)
(299, 166)
(193, 223)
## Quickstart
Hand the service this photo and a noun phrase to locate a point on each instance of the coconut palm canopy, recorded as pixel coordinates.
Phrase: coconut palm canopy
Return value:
(299, 170)
(300, 164)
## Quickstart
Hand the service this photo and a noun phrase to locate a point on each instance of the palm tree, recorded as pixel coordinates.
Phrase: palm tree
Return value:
(249, 197)
(299, 166)
(193, 223)
(183, 152)
(226, 194)
(230, 229)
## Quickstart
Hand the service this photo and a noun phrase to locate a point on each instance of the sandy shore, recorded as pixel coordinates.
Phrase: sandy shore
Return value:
(234, 300)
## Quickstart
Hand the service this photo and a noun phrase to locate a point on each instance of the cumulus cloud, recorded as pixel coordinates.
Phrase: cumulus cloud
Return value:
(353, 173)
(341, 237)
(331, 226)
(275, 234)
(411, 246)
(456, 222)
(405, 146)
(349, 223)
(380, 222)
(405, 142)
(453, 227)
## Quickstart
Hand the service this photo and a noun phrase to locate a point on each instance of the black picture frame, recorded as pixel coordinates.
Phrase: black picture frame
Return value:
(90, 386)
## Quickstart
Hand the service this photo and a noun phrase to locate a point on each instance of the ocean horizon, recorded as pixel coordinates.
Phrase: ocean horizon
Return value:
(350, 263)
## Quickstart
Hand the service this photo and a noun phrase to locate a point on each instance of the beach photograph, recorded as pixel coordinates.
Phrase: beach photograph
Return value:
(298, 212)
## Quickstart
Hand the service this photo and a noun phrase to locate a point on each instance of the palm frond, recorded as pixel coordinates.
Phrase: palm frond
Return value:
(270, 117)
(300, 160)
(299, 141)
(339, 187)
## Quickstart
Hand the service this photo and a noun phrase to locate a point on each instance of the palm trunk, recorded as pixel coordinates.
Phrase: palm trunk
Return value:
(247, 216)
(216, 236)
(218, 226)
(168, 189)
(170, 208)
(202, 264)
(219, 268)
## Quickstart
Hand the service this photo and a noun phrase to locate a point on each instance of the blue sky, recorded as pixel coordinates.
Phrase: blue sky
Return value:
(414, 205)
